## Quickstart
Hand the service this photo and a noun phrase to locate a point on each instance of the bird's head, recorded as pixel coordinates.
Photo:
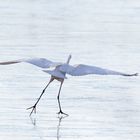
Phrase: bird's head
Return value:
(69, 58)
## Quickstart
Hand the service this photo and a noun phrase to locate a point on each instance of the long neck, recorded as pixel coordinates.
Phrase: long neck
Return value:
(68, 59)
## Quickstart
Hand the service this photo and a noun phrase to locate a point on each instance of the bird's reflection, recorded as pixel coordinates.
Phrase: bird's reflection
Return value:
(60, 118)
(33, 120)
(58, 127)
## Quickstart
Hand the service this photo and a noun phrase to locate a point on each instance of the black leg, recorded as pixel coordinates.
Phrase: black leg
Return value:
(34, 106)
(60, 109)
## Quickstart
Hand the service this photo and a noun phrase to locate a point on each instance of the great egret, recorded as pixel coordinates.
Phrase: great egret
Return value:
(59, 73)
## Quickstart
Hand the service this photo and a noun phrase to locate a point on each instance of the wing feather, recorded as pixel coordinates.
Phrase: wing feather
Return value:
(40, 62)
(82, 69)
(10, 62)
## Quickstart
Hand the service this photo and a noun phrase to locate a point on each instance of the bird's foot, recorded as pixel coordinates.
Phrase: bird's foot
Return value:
(62, 113)
(33, 109)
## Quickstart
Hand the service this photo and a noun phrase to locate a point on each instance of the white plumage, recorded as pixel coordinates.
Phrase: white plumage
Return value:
(81, 69)
(42, 62)
(60, 71)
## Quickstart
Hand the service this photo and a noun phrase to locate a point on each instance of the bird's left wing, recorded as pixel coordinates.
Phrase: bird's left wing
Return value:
(40, 62)
(82, 69)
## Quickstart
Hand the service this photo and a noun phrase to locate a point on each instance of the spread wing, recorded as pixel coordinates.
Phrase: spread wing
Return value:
(40, 62)
(81, 69)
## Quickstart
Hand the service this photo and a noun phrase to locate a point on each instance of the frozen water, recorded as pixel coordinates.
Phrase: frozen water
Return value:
(95, 32)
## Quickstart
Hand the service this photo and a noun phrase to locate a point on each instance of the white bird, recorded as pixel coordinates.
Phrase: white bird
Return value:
(59, 73)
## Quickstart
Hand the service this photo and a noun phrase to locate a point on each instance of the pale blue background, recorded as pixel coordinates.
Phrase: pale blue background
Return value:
(104, 33)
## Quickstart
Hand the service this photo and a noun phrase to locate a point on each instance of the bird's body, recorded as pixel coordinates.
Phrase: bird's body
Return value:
(60, 70)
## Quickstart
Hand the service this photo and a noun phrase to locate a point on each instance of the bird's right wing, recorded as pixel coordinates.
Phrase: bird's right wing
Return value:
(82, 69)
(40, 62)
